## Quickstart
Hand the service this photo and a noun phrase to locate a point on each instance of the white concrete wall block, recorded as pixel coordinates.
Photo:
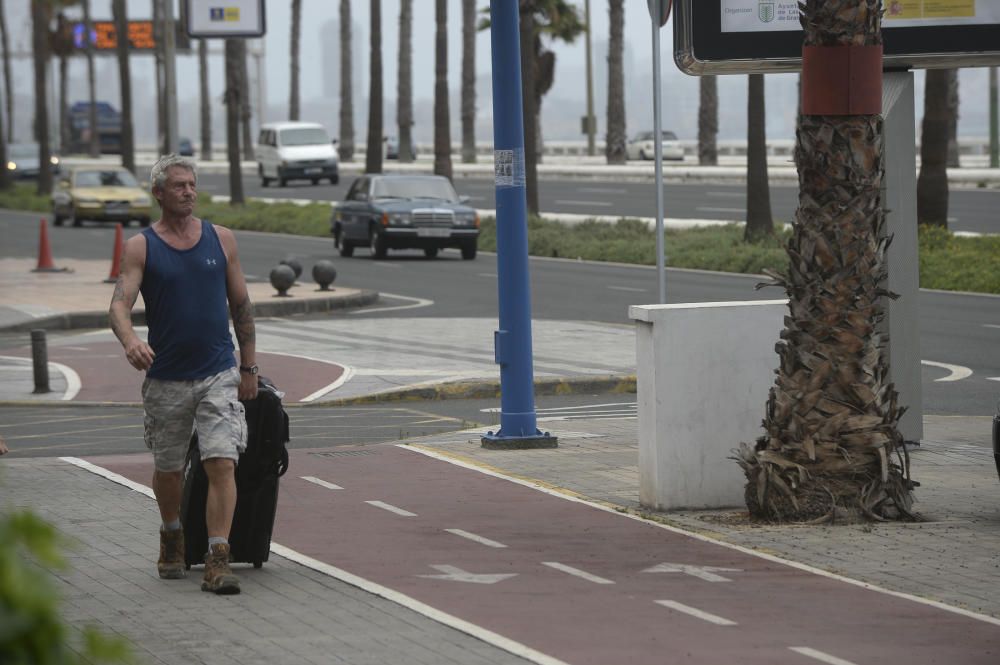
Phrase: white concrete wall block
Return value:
(704, 371)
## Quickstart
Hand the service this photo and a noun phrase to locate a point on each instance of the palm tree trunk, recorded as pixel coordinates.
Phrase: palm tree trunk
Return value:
(404, 84)
(932, 183)
(760, 223)
(4, 172)
(232, 101)
(708, 121)
(469, 81)
(373, 150)
(64, 139)
(953, 103)
(7, 78)
(832, 446)
(245, 111)
(125, 76)
(614, 143)
(205, 101)
(40, 18)
(293, 88)
(530, 107)
(346, 144)
(162, 140)
(95, 134)
(442, 116)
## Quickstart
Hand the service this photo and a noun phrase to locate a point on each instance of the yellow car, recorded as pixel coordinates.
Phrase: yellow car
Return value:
(101, 194)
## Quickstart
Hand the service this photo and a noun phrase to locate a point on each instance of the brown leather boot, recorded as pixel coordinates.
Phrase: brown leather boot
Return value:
(171, 562)
(219, 577)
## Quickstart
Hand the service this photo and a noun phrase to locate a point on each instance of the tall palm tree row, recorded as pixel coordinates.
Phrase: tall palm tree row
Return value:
(404, 84)
(614, 142)
(469, 81)
(442, 116)
(7, 80)
(832, 446)
(373, 154)
(345, 146)
(708, 121)
(41, 16)
(293, 79)
(760, 223)
(118, 11)
(94, 146)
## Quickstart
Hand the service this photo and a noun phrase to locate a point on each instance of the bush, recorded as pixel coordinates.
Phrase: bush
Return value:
(21, 196)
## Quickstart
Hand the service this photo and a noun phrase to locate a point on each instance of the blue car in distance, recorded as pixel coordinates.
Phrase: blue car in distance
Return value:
(390, 211)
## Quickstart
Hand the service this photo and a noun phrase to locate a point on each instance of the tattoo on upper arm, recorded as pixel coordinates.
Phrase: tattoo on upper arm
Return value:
(243, 322)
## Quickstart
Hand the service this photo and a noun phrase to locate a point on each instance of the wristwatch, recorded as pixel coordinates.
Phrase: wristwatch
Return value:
(252, 369)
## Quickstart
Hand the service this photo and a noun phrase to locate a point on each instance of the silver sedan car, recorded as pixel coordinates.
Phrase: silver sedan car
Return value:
(642, 146)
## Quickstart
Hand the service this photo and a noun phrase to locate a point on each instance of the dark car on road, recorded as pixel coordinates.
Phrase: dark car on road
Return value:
(384, 212)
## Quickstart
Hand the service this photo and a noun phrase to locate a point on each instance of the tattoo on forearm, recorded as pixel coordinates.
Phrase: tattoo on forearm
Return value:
(119, 293)
(243, 322)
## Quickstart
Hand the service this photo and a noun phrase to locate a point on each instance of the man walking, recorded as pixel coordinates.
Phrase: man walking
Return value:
(189, 274)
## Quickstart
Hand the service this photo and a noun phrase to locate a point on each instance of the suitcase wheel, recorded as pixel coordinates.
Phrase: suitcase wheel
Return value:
(258, 564)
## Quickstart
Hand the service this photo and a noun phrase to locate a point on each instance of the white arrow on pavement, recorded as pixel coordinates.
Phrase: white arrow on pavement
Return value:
(707, 573)
(454, 574)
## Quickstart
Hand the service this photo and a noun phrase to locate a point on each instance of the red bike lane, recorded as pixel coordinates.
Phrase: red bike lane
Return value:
(582, 584)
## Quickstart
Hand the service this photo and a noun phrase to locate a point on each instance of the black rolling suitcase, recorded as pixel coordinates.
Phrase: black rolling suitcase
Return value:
(260, 466)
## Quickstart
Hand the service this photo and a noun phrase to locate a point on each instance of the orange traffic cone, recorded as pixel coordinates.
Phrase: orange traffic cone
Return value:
(116, 260)
(44, 252)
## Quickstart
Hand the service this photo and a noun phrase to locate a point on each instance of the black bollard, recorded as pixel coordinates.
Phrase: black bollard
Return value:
(40, 361)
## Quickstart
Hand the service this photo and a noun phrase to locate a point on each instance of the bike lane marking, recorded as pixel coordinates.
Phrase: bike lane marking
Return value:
(696, 613)
(577, 572)
(476, 538)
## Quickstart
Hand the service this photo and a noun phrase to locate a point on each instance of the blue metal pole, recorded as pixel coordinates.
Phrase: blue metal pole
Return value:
(512, 342)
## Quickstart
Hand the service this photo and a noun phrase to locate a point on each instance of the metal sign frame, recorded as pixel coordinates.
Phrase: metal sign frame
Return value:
(700, 46)
(225, 19)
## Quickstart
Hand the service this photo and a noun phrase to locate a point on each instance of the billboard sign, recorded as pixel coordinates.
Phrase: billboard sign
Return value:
(225, 19)
(745, 36)
(104, 36)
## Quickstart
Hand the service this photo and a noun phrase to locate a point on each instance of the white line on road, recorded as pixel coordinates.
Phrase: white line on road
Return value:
(418, 302)
(322, 483)
(72, 379)
(391, 508)
(695, 612)
(627, 288)
(492, 275)
(570, 202)
(330, 387)
(580, 407)
(577, 572)
(707, 573)
(741, 211)
(602, 190)
(727, 195)
(957, 371)
(990, 325)
(474, 537)
(820, 656)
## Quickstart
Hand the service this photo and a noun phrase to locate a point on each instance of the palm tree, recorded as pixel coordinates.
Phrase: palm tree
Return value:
(62, 47)
(442, 117)
(614, 142)
(293, 89)
(373, 155)
(205, 101)
(41, 15)
(232, 100)
(759, 220)
(708, 121)
(125, 76)
(404, 85)
(163, 141)
(6, 73)
(4, 173)
(832, 445)
(346, 144)
(245, 111)
(932, 183)
(469, 81)
(953, 161)
(95, 137)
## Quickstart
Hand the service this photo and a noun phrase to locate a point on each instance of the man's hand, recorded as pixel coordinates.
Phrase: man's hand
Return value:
(139, 354)
(248, 386)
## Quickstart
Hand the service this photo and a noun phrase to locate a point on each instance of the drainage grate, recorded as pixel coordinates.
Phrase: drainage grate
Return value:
(345, 453)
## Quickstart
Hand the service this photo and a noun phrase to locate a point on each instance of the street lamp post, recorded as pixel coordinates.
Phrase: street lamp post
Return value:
(512, 342)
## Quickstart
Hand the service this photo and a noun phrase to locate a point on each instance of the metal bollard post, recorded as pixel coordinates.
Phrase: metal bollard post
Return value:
(40, 361)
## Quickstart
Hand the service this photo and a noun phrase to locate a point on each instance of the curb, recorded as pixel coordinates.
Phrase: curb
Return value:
(262, 309)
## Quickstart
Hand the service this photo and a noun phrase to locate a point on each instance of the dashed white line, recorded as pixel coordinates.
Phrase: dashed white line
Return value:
(727, 195)
(820, 656)
(736, 210)
(321, 483)
(474, 537)
(695, 612)
(602, 190)
(577, 572)
(627, 288)
(570, 202)
(391, 508)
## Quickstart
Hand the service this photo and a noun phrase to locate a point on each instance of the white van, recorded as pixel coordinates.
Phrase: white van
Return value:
(295, 151)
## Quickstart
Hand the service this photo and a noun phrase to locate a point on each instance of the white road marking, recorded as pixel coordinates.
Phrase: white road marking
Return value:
(72, 379)
(491, 275)
(379, 590)
(556, 409)
(577, 572)
(418, 302)
(993, 378)
(990, 325)
(602, 190)
(455, 574)
(820, 656)
(627, 288)
(957, 371)
(330, 387)
(727, 195)
(391, 508)
(474, 537)
(570, 202)
(695, 612)
(707, 573)
(322, 483)
(741, 211)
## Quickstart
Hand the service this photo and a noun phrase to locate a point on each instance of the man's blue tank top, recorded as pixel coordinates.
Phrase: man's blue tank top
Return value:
(186, 308)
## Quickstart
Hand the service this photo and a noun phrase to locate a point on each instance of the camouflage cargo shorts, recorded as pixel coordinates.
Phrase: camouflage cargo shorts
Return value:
(175, 409)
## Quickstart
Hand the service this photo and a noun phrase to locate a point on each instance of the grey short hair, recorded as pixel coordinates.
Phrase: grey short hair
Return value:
(158, 174)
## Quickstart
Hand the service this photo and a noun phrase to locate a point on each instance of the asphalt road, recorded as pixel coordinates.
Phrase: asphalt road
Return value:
(969, 209)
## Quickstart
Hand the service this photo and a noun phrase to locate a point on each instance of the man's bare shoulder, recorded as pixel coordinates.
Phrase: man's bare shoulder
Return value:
(135, 247)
